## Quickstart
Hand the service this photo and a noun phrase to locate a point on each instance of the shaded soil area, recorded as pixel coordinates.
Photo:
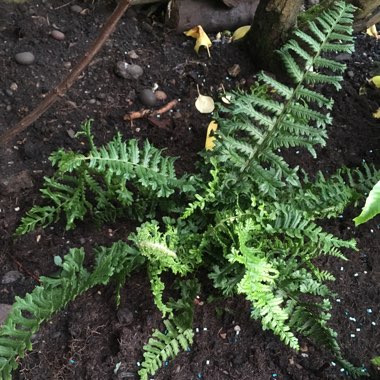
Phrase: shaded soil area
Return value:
(91, 339)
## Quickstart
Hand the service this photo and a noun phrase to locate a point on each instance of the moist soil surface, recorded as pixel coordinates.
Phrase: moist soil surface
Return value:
(91, 339)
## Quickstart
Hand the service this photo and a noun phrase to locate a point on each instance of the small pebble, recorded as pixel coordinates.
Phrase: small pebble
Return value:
(160, 95)
(11, 276)
(71, 133)
(147, 97)
(76, 9)
(127, 71)
(25, 58)
(57, 35)
(13, 87)
(67, 65)
(343, 57)
(132, 54)
(369, 311)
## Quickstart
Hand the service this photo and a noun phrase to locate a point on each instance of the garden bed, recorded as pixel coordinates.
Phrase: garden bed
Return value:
(91, 338)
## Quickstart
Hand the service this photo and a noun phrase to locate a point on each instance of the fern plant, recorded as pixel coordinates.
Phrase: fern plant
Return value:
(105, 182)
(252, 221)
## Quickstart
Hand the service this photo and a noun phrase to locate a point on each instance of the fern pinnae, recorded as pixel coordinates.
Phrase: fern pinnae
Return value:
(269, 117)
(53, 294)
(162, 347)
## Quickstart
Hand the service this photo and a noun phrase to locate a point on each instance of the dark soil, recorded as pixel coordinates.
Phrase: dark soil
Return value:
(90, 337)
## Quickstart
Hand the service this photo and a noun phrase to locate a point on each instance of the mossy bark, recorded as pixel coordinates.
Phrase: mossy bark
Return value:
(272, 22)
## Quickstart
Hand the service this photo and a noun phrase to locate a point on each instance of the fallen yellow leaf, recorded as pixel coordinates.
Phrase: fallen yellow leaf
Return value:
(240, 32)
(372, 31)
(204, 104)
(376, 81)
(376, 114)
(210, 138)
(201, 37)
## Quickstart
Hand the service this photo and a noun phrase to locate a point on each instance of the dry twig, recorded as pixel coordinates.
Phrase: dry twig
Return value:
(62, 88)
(149, 113)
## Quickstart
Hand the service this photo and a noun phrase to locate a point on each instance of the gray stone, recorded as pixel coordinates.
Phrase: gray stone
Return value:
(25, 58)
(4, 311)
(76, 9)
(16, 183)
(11, 276)
(343, 57)
(350, 74)
(71, 133)
(147, 97)
(127, 71)
(57, 35)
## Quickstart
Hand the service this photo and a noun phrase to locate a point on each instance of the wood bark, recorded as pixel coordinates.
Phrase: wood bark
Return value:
(272, 22)
(213, 15)
(367, 14)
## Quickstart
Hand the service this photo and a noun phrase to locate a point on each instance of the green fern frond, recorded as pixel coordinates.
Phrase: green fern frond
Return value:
(37, 216)
(178, 335)
(161, 251)
(260, 123)
(164, 346)
(53, 294)
(104, 181)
